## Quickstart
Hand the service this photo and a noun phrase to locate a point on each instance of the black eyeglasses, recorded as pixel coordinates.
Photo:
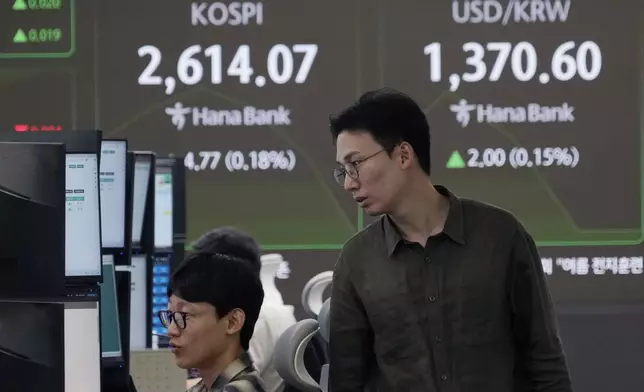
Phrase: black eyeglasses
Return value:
(351, 168)
(167, 316)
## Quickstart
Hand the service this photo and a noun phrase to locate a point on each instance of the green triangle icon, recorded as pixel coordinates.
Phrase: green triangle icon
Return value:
(455, 161)
(20, 37)
(20, 5)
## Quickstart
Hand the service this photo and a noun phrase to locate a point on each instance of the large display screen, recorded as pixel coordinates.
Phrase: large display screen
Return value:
(243, 91)
(112, 179)
(47, 51)
(142, 167)
(82, 224)
(163, 212)
(534, 107)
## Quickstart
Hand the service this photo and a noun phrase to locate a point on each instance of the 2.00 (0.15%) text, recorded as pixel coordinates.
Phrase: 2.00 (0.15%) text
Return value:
(517, 158)
(240, 161)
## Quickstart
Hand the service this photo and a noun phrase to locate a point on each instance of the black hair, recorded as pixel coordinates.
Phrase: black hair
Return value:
(391, 118)
(223, 281)
(233, 242)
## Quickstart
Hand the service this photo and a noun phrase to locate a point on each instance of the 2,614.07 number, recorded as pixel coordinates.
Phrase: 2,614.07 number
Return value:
(280, 65)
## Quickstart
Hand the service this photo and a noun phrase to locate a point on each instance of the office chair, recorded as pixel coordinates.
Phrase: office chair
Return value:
(313, 293)
(293, 350)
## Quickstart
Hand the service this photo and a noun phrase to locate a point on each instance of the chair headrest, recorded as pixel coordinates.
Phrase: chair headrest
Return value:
(312, 295)
(324, 320)
(288, 355)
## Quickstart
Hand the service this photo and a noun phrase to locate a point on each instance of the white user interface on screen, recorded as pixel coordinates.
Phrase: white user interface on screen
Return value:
(112, 180)
(82, 347)
(82, 219)
(163, 210)
(140, 194)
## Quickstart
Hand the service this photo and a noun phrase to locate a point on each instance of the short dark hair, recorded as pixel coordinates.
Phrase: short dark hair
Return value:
(390, 117)
(233, 242)
(223, 281)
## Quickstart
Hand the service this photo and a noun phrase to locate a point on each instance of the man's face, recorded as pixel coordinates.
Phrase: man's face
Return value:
(379, 176)
(204, 337)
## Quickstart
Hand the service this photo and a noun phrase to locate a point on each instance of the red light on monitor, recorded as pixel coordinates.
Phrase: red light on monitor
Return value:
(21, 127)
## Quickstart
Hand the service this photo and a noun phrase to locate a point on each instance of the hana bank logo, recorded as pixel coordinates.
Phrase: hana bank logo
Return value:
(530, 113)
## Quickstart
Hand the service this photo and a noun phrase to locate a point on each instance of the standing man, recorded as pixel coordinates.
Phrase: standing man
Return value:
(441, 293)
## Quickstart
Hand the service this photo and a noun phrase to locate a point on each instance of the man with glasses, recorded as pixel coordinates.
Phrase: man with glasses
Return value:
(441, 293)
(214, 302)
(274, 318)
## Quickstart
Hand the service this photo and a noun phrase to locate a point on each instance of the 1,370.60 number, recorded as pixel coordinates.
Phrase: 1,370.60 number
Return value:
(523, 59)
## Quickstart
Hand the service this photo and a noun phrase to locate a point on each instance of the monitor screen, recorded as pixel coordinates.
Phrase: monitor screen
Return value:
(32, 346)
(110, 328)
(82, 347)
(142, 167)
(160, 279)
(138, 300)
(163, 231)
(32, 183)
(112, 179)
(82, 224)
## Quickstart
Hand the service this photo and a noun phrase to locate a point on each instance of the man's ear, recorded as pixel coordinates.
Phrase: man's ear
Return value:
(235, 319)
(406, 154)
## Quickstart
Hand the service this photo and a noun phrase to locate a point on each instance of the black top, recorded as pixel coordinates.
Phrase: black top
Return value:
(468, 312)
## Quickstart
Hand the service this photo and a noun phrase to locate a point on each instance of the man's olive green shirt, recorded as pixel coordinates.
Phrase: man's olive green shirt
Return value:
(468, 312)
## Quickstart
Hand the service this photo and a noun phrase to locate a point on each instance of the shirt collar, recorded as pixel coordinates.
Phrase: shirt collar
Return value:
(239, 365)
(453, 225)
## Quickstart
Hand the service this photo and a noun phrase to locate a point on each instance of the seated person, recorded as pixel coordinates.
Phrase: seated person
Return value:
(273, 319)
(214, 302)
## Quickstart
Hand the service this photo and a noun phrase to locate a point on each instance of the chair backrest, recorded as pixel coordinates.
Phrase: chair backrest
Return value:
(313, 293)
(324, 320)
(289, 355)
(300, 355)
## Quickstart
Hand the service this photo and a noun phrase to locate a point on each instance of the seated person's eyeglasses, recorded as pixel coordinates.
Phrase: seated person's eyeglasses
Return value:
(167, 316)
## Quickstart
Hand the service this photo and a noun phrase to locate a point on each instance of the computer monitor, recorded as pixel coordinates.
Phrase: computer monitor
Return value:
(142, 172)
(113, 193)
(82, 342)
(32, 346)
(161, 272)
(32, 220)
(83, 223)
(110, 328)
(138, 270)
(163, 207)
